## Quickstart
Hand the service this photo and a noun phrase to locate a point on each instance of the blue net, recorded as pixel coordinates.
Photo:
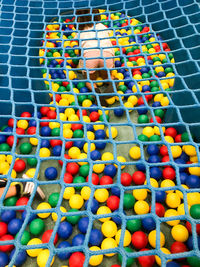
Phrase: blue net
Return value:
(155, 85)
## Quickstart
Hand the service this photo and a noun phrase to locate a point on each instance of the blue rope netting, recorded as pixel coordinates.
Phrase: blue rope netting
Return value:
(22, 24)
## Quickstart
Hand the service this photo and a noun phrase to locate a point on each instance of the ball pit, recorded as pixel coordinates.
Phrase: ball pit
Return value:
(80, 125)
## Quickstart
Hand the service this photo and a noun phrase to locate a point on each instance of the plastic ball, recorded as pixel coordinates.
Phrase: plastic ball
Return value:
(107, 156)
(8, 215)
(76, 259)
(19, 165)
(76, 201)
(6, 248)
(140, 194)
(34, 252)
(83, 224)
(146, 261)
(195, 211)
(21, 257)
(148, 223)
(193, 181)
(64, 230)
(95, 260)
(113, 131)
(51, 173)
(47, 236)
(25, 148)
(141, 207)
(179, 233)
(178, 247)
(110, 170)
(103, 210)
(37, 226)
(127, 238)
(109, 243)
(135, 153)
(78, 240)
(43, 206)
(109, 229)
(4, 260)
(98, 168)
(94, 205)
(43, 257)
(101, 195)
(113, 202)
(95, 237)
(44, 152)
(64, 255)
(138, 177)
(130, 261)
(53, 199)
(128, 201)
(14, 226)
(139, 240)
(152, 239)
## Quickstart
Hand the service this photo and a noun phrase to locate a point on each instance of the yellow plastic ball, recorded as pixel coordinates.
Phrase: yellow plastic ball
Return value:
(90, 135)
(127, 237)
(107, 156)
(33, 141)
(140, 194)
(43, 257)
(68, 192)
(141, 207)
(167, 183)
(103, 210)
(109, 229)
(152, 239)
(44, 152)
(109, 243)
(86, 103)
(121, 160)
(74, 152)
(194, 170)
(67, 133)
(148, 131)
(101, 195)
(171, 213)
(76, 201)
(34, 252)
(95, 260)
(179, 233)
(158, 259)
(98, 168)
(31, 172)
(86, 148)
(135, 153)
(55, 216)
(85, 192)
(182, 210)
(99, 83)
(193, 198)
(43, 206)
(173, 200)
(82, 156)
(169, 139)
(98, 126)
(176, 151)
(22, 124)
(133, 99)
(190, 150)
(114, 132)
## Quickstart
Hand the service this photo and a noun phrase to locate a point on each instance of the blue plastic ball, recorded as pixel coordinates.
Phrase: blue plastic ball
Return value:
(142, 111)
(94, 205)
(110, 170)
(4, 260)
(2, 139)
(78, 240)
(141, 167)
(184, 157)
(8, 215)
(155, 173)
(100, 134)
(193, 181)
(32, 217)
(32, 123)
(64, 255)
(148, 223)
(172, 264)
(154, 159)
(100, 145)
(156, 104)
(83, 225)
(57, 150)
(20, 258)
(95, 237)
(152, 149)
(65, 230)
(160, 196)
(180, 161)
(45, 131)
(119, 112)
(95, 155)
(115, 191)
(79, 143)
(45, 143)
(14, 226)
(90, 127)
(51, 173)
(8, 130)
(183, 177)
(117, 219)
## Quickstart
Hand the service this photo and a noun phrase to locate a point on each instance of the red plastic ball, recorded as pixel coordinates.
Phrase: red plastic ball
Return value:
(68, 178)
(20, 131)
(31, 130)
(171, 132)
(139, 240)
(6, 248)
(113, 202)
(95, 179)
(76, 126)
(126, 179)
(106, 180)
(26, 114)
(47, 235)
(51, 114)
(178, 247)
(19, 165)
(178, 138)
(65, 83)
(44, 123)
(11, 122)
(94, 116)
(116, 265)
(158, 119)
(58, 98)
(189, 227)
(169, 173)
(165, 159)
(139, 177)
(84, 112)
(72, 167)
(146, 261)
(68, 144)
(160, 210)
(55, 142)
(76, 259)
(140, 101)
(163, 151)
(10, 140)
(44, 110)
(3, 229)
(22, 201)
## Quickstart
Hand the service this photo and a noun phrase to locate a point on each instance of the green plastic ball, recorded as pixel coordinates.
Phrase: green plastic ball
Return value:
(77, 180)
(159, 112)
(143, 138)
(73, 219)
(143, 119)
(78, 134)
(4, 147)
(129, 201)
(129, 261)
(155, 138)
(91, 98)
(11, 201)
(55, 132)
(81, 98)
(155, 89)
(101, 117)
(25, 237)
(53, 199)
(84, 170)
(37, 226)
(81, 85)
(185, 137)
(32, 162)
(25, 148)
(154, 84)
(134, 225)
(193, 261)
(195, 211)
(122, 88)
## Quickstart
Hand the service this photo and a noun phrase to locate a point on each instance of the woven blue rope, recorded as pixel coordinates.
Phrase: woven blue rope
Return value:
(23, 21)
